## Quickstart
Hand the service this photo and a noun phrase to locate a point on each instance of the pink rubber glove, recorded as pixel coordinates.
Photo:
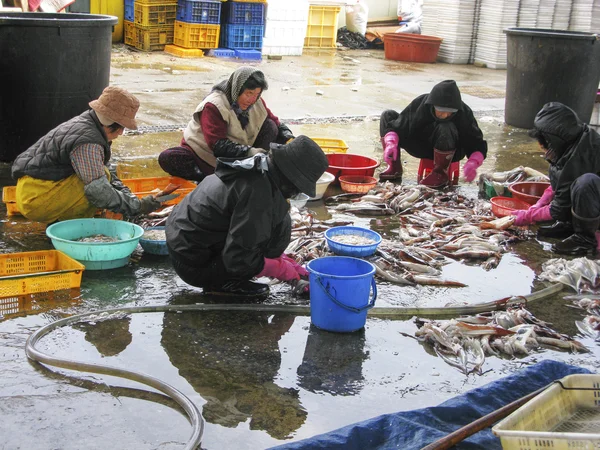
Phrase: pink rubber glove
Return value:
(279, 268)
(471, 166)
(532, 215)
(390, 145)
(299, 269)
(546, 198)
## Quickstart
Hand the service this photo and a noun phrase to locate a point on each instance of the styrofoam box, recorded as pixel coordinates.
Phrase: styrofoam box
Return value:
(287, 10)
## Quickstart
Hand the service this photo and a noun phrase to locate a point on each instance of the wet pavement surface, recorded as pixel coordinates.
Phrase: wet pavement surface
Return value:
(260, 379)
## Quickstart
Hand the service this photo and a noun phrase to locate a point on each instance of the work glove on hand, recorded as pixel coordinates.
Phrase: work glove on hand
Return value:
(299, 269)
(471, 166)
(279, 268)
(546, 198)
(149, 204)
(532, 215)
(390, 146)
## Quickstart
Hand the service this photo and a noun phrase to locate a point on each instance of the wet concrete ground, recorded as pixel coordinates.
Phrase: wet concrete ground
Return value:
(260, 379)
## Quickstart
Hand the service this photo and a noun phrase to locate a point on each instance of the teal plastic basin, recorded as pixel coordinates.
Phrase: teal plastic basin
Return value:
(101, 255)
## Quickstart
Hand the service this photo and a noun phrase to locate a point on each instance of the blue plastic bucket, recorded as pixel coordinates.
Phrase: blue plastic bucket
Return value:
(340, 292)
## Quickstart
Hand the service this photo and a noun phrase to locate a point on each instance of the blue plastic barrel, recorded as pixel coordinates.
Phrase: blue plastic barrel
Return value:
(340, 292)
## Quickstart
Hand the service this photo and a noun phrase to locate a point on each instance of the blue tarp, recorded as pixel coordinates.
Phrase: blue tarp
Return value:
(410, 430)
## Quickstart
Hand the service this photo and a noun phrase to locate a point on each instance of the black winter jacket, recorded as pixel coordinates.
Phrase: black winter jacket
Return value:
(577, 149)
(49, 158)
(417, 121)
(238, 213)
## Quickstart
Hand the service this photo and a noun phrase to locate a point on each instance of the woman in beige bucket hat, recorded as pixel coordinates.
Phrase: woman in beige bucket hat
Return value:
(66, 173)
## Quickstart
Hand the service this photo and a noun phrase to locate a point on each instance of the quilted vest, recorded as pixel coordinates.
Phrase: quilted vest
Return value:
(195, 138)
(49, 158)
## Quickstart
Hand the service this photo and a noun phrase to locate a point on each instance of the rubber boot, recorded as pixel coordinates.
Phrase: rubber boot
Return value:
(236, 288)
(438, 178)
(583, 240)
(558, 229)
(394, 166)
(393, 171)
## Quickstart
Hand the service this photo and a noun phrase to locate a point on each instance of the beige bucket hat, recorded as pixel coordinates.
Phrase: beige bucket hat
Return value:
(117, 105)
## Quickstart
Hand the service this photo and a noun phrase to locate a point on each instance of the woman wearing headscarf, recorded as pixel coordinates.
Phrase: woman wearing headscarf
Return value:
(438, 126)
(572, 200)
(232, 121)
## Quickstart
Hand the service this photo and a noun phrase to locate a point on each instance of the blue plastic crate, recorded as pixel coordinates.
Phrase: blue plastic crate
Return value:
(222, 53)
(242, 36)
(248, 54)
(194, 11)
(129, 10)
(241, 13)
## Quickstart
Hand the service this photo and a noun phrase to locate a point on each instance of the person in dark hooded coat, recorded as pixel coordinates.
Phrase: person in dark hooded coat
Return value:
(572, 200)
(236, 224)
(437, 126)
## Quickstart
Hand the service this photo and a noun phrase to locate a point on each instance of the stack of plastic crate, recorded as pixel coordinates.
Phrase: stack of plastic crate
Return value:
(243, 28)
(197, 27)
(149, 23)
(285, 29)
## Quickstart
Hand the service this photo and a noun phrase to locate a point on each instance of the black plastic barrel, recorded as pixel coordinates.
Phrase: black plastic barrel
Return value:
(51, 67)
(550, 66)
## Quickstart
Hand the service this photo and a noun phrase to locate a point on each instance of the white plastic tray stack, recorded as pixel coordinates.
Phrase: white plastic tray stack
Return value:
(528, 13)
(596, 17)
(286, 27)
(453, 21)
(581, 15)
(562, 14)
(546, 14)
(494, 17)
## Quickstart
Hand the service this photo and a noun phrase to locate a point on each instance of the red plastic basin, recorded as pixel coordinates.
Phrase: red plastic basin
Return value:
(349, 164)
(507, 206)
(528, 191)
(411, 47)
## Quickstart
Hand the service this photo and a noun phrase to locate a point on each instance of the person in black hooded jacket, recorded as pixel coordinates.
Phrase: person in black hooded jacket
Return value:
(437, 126)
(236, 225)
(573, 198)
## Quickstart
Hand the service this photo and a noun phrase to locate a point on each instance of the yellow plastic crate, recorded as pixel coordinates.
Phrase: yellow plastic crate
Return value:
(9, 194)
(147, 39)
(41, 271)
(184, 52)
(144, 186)
(331, 145)
(564, 416)
(196, 35)
(321, 31)
(38, 302)
(152, 15)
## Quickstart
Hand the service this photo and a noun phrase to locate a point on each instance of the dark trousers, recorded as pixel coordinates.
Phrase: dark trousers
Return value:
(211, 274)
(183, 162)
(585, 196)
(443, 136)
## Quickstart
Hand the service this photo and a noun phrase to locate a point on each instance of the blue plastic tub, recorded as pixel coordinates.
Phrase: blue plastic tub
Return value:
(340, 292)
(96, 255)
(352, 250)
(242, 36)
(194, 11)
(254, 55)
(243, 13)
(153, 246)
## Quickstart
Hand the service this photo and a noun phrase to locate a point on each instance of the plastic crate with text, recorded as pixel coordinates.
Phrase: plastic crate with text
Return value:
(192, 35)
(194, 11)
(148, 39)
(240, 13)
(154, 14)
(242, 36)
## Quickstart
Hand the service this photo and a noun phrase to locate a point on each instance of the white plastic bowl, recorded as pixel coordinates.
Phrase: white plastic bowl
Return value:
(299, 201)
(322, 185)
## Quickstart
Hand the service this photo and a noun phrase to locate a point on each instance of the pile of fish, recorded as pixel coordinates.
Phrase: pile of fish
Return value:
(435, 228)
(581, 274)
(499, 181)
(590, 325)
(465, 342)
